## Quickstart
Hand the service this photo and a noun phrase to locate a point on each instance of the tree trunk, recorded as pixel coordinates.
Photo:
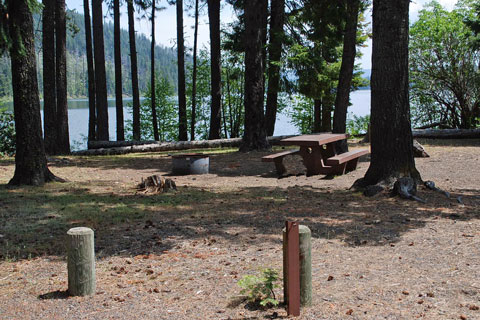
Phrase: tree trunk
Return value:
(49, 85)
(100, 77)
(274, 58)
(152, 77)
(215, 65)
(264, 43)
(342, 99)
(230, 106)
(92, 116)
(255, 135)
(391, 134)
(317, 115)
(182, 101)
(30, 161)
(194, 75)
(118, 70)
(134, 70)
(63, 138)
(327, 105)
(239, 120)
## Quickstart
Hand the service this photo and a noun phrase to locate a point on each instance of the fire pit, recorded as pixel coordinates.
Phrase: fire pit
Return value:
(190, 163)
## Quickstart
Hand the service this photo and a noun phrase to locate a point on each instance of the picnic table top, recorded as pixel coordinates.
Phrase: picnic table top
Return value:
(313, 140)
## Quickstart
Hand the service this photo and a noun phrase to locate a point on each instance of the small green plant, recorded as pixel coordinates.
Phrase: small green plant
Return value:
(259, 289)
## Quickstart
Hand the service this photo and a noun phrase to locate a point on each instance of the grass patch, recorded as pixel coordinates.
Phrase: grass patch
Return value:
(34, 220)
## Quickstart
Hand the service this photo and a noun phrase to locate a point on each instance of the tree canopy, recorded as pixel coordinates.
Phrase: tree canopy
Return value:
(444, 68)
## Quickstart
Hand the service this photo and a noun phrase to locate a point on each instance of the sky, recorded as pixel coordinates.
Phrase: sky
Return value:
(166, 23)
(166, 30)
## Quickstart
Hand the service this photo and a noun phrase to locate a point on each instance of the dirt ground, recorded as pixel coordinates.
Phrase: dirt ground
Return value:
(180, 255)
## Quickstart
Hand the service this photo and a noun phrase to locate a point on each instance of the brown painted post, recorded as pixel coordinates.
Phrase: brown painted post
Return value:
(292, 289)
(305, 266)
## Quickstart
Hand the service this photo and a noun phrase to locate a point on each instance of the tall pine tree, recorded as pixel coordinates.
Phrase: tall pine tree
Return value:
(17, 36)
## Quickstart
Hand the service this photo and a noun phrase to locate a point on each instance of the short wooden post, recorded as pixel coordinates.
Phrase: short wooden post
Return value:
(305, 236)
(81, 261)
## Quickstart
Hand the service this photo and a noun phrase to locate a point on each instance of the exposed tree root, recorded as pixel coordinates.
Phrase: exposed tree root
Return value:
(431, 185)
(405, 187)
(35, 179)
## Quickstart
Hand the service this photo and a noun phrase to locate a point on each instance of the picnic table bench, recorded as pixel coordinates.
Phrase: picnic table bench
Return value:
(318, 153)
(277, 158)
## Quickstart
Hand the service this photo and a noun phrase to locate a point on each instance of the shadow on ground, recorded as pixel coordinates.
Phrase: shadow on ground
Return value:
(226, 163)
(34, 221)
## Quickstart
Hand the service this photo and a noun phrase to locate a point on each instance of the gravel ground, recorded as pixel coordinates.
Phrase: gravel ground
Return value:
(372, 258)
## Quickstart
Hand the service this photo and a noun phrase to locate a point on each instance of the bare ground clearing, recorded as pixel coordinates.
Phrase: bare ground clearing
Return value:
(179, 255)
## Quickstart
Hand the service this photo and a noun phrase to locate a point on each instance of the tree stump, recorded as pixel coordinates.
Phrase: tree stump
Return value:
(305, 236)
(156, 184)
(81, 261)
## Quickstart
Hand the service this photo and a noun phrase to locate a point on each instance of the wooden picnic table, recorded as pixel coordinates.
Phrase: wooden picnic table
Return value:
(319, 154)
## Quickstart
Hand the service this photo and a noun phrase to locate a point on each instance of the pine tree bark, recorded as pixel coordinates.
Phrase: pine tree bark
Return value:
(215, 68)
(118, 70)
(63, 138)
(264, 43)
(182, 101)
(30, 160)
(255, 135)
(152, 77)
(327, 106)
(92, 114)
(194, 75)
(100, 76)
(49, 84)
(317, 115)
(134, 71)
(342, 98)
(391, 134)
(277, 18)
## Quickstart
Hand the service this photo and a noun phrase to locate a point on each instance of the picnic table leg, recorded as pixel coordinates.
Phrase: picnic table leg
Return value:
(351, 165)
(339, 170)
(312, 159)
(280, 166)
(329, 151)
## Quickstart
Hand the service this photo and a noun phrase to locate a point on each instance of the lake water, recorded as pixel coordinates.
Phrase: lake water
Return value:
(78, 118)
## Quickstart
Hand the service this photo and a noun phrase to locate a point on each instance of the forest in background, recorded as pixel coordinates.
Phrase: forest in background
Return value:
(165, 61)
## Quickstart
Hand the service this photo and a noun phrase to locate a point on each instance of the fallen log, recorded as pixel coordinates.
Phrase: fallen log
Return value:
(124, 147)
(164, 146)
(447, 133)
(116, 144)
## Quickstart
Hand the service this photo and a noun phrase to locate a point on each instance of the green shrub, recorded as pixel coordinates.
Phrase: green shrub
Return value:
(259, 289)
(167, 113)
(7, 133)
(358, 125)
